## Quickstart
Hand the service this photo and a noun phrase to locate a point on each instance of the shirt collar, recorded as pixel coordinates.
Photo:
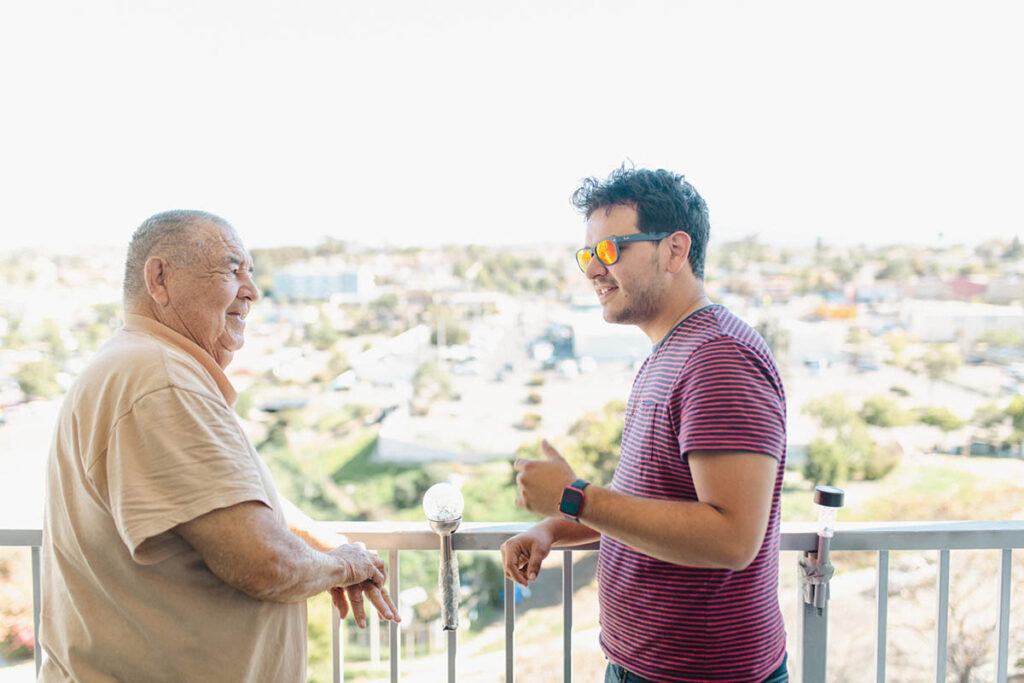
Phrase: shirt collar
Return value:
(140, 323)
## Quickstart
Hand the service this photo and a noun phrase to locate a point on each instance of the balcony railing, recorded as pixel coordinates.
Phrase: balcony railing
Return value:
(812, 629)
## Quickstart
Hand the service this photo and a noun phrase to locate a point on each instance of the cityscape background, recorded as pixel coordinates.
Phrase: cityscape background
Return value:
(401, 172)
(370, 373)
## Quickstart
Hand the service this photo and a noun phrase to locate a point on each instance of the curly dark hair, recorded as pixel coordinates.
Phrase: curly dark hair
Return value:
(664, 202)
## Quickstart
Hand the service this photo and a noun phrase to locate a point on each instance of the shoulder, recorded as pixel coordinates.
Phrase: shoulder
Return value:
(133, 364)
(719, 333)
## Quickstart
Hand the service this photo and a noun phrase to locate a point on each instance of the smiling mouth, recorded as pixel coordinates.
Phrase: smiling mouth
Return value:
(604, 290)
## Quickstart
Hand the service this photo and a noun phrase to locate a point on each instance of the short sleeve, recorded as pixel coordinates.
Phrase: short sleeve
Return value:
(176, 455)
(731, 399)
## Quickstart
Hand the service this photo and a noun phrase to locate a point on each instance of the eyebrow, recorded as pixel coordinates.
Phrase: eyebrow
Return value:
(236, 260)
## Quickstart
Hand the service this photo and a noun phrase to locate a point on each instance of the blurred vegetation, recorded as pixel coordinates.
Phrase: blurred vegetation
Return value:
(846, 450)
(38, 379)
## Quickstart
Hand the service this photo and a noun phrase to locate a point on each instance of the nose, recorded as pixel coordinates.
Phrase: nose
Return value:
(595, 268)
(249, 289)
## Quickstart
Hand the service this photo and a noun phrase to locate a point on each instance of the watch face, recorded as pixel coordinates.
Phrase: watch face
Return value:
(571, 500)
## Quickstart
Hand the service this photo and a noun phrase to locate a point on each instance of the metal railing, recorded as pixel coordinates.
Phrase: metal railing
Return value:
(812, 639)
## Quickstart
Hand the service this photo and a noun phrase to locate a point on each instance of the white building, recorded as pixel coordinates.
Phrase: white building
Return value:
(957, 321)
(325, 279)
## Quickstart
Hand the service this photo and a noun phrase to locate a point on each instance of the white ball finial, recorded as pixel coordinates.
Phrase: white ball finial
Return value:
(443, 502)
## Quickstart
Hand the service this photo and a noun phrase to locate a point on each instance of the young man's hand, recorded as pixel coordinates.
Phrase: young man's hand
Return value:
(521, 555)
(540, 482)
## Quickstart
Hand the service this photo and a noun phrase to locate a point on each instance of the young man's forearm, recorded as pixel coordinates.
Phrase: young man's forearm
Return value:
(687, 533)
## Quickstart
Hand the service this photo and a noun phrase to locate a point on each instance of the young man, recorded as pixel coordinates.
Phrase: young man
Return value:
(689, 526)
(167, 553)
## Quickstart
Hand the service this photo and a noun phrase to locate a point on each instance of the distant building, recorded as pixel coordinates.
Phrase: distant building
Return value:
(324, 280)
(1005, 290)
(594, 338)
(958, 321)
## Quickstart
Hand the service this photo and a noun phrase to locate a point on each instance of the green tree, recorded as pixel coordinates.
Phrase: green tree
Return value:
(850, 452)
(832, 411)
(941, 417)
(1015, 411)
(826, 463)
(939, 362)
(14, 338)
(882, 411)
(322, 335)
(38, 379)
(597, 438)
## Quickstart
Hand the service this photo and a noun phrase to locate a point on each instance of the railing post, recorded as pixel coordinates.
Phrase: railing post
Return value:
(1003, 633)
(393, 627)
(37, 602)
(567, 617)
(813, 642)
(815, 572)
(510, 630)
(941, 616)
(881, 614)
(337, 643)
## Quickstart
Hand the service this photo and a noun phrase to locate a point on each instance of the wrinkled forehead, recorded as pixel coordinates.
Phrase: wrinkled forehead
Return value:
(223, 246)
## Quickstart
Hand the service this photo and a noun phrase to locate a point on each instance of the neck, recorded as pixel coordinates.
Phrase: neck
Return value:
(677, 312)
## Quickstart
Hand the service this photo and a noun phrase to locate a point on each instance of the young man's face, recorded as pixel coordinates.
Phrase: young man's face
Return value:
(630, 290)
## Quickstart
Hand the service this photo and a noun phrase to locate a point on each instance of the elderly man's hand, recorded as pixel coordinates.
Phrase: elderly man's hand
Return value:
(379, 598)
(540, 482)
(363, 565)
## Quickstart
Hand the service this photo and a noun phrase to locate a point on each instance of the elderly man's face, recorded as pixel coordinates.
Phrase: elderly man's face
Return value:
(211, 298)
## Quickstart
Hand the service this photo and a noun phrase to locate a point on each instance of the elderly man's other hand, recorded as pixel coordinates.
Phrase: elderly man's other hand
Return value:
(363, 565)
(540, 482)
(342, 597)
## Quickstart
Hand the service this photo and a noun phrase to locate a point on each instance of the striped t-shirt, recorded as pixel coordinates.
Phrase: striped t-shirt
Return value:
(711, 384)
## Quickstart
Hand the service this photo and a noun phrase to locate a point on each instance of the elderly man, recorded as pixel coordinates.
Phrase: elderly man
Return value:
(168, 555)
(689, 526)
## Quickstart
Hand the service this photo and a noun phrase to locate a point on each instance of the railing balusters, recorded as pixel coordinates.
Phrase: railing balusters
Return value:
(1003, 642)
(393, 628)
(881, 614)
(881, 538)
(337, 661)
(452, 654)
(942, 617)
(510, 630)
(567, 616)
(37, 605)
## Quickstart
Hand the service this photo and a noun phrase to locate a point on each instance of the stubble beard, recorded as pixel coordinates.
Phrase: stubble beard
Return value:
(643, 305)
(644, 300)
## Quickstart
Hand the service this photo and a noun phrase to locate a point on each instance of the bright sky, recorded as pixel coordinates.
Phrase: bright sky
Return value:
(411, 122)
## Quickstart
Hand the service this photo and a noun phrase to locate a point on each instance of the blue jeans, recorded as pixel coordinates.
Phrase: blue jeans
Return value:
(616, 674)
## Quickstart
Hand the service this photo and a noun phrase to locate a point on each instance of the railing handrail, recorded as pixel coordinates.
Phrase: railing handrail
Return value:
(796, 536)
(880, 537)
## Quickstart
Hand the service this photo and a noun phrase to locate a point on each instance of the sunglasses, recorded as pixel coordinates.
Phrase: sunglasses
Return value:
(607, 250)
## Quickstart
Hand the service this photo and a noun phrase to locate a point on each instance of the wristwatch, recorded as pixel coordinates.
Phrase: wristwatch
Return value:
(571, 504)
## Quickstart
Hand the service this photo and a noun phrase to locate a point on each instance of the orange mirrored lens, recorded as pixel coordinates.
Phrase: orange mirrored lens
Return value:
(607, 251)
(583, 258)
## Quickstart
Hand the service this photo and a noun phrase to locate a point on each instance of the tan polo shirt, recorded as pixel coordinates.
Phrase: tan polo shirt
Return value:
(146, 439)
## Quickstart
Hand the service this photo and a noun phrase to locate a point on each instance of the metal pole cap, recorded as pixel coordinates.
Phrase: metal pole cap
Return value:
(829, 496)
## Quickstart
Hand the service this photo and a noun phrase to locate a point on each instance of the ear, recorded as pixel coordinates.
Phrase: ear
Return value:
(679, 251)
(155, 274)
